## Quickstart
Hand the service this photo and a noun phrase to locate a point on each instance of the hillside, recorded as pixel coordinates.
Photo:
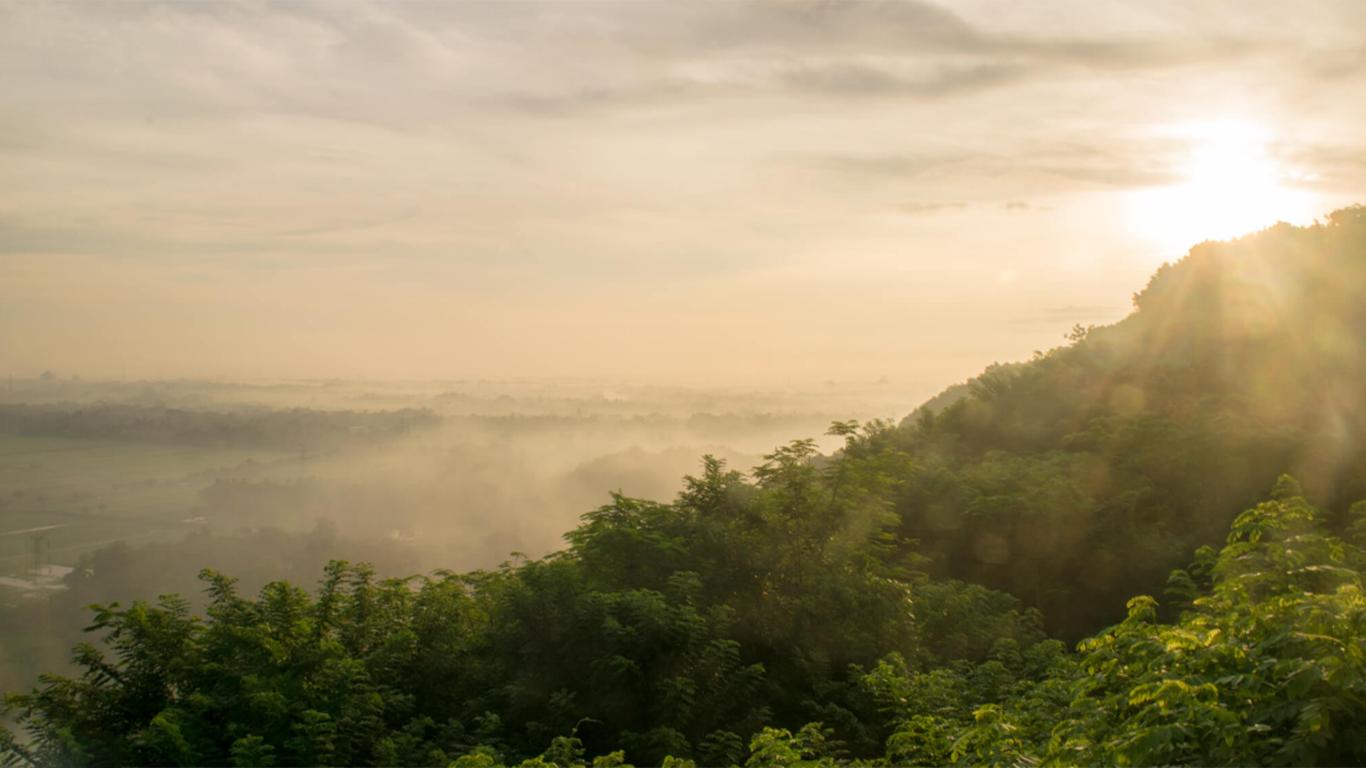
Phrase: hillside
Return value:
(895, 601)
(1089, 473)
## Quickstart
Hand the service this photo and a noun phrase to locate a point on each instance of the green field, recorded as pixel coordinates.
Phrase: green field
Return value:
(102, 491)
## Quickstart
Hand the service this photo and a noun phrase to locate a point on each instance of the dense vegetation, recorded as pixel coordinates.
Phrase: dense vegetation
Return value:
(1117, 456)
(895, 602)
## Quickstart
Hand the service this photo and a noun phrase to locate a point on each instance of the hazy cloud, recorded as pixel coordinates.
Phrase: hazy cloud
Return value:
(560, 187)
(858, 80)
(897, 166)
(1075, 313)
(925, 208)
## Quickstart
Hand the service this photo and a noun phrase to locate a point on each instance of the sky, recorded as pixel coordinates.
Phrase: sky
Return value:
(709, 192)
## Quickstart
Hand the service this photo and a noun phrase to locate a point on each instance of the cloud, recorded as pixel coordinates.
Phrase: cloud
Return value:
(1337, 64)
(589, 99)
(924, 208)
(407, 64)
(856, 80)
(1106, 170)
(1074, 313)
(1050, 166)
(890, 166)
(813, 26)
(617, 152)
(1325, 164)
(1150, 54)
(870, 50)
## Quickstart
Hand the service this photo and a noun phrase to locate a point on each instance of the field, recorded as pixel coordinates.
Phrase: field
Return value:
(87, 493)
(464, 471)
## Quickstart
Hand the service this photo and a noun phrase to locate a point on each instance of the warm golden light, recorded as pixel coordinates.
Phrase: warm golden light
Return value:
(1233, 186)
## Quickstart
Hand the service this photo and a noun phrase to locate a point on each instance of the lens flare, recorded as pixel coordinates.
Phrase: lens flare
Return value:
(1232, 185)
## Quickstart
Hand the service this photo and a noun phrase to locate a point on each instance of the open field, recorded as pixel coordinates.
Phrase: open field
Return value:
(143, 484)
(466, 471)
(99, 491)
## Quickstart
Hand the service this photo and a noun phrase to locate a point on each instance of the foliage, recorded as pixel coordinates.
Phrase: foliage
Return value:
(1267, 666)
(849, 608)
(1117, 455)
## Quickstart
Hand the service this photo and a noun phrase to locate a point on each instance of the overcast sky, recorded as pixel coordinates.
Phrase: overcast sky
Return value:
(724, 191)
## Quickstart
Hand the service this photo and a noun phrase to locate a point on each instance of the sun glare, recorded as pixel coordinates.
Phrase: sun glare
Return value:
(1232, 186)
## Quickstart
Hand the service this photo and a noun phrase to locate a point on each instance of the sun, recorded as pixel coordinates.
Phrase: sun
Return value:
(1232, 185)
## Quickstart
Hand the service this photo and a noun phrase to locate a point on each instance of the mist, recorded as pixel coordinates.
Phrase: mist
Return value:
(141, 484)
(752, 382)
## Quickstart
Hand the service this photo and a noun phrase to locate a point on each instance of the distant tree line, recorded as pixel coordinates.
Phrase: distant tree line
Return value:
(263, 428)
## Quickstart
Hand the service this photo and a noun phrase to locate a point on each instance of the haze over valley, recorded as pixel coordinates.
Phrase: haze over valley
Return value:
(632, 383)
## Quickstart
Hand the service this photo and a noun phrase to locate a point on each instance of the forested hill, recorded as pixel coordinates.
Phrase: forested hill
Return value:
(1085, 475)
(889, 604)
